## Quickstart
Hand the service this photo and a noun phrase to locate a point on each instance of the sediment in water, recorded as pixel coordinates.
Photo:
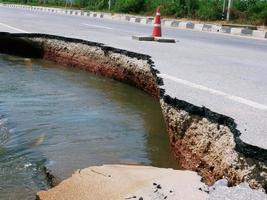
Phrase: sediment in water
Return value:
(201, 140)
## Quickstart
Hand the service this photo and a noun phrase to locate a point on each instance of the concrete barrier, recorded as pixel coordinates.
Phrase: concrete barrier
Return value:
(93, 14)
(207, 27)
(100, 15)
(118, 17)
(259, 34)
(167, 23)
(62, 12)
(137, 20)
(236, 31)
(127, 18)
(215, 28)
(190, 25)
(133, 19)
(225, 30)
(198, 27)
(150, 20)
(247, 32)
(107, 16)
(182, 24)
(143, 21)
(175, 24)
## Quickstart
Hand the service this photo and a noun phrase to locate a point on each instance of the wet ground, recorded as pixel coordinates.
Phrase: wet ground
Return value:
(67, 119)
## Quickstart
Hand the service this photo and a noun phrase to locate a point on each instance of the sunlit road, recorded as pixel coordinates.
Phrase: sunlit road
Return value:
(224, 73)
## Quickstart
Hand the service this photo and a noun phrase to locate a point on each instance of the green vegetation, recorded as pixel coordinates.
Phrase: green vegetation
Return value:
(243, 11)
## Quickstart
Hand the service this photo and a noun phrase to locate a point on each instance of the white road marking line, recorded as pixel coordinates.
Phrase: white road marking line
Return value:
(217, 92)
(109, 28)
(97, 26)
(11, 27)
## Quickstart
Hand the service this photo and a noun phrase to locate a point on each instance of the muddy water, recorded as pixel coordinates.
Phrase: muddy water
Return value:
(68, 119)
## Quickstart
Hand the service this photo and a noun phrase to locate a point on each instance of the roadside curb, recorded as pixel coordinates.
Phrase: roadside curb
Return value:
(203, 27)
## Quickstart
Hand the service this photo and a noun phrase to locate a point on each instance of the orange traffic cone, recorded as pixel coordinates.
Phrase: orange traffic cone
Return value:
(157, 25)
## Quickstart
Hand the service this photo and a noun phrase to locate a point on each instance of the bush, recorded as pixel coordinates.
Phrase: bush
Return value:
(178, 8)
(96, 5)
(239, 15)
(258, 12)
(263, 16)
(130, 6)
(209, 10)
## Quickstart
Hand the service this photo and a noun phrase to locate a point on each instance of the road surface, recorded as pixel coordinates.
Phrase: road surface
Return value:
(226, 74)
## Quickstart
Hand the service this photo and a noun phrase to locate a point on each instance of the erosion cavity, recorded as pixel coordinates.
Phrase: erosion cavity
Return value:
(56, 119)
(201, 140)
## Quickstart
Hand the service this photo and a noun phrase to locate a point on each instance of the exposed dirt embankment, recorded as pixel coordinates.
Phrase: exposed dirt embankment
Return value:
(201, 140)
(121, 65)
(206, 142)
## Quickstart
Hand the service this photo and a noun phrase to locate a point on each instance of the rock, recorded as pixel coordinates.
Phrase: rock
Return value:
(220, 191)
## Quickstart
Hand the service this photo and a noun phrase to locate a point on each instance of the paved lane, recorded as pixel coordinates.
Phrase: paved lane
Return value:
(224, 73)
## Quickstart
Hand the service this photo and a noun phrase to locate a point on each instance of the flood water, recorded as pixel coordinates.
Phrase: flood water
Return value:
(68, 119)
